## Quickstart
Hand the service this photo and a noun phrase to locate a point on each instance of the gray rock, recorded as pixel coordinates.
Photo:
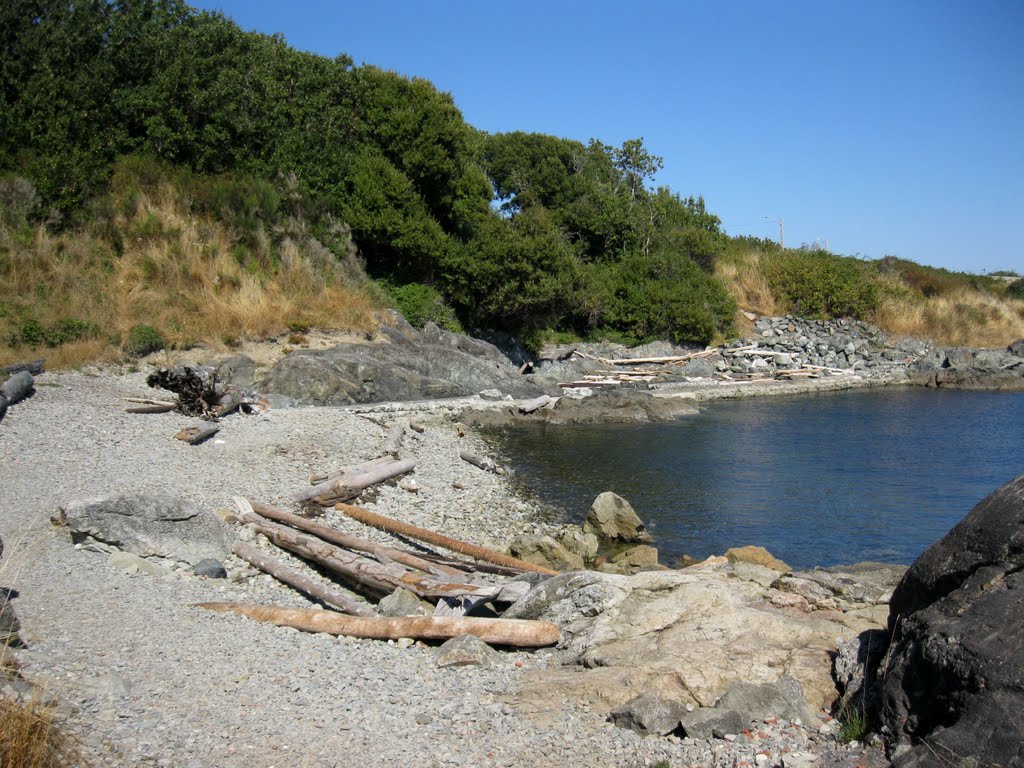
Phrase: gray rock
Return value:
(783, 698)
(402, 602)
(612, 518)
(579, 543)
(239, 370)
(132, 563)
(953, 682)
(545, 551)
(713, 722)
(210, 568)
(698, 368)
(648, 715)
(490, 394)
(405, 365)
(9, 624)
(855, 672)
(1016, 348)
(152, 525)
(464, 651)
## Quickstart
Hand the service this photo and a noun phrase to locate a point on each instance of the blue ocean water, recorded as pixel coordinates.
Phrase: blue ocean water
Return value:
(816, 479)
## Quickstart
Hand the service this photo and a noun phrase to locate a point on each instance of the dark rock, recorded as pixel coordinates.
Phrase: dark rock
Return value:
(958, 358)
(954, 683)
(17, 387)
(9, 624)
(402, 602)
(466, 651)
(698, 368)
(153, 525)
(713, 722)
(3, 407)
(404, 364)
(210, 568)
(1016, 348)
(648, 715)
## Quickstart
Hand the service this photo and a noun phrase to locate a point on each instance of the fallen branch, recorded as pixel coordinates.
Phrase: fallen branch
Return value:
(303, 584)
(521, 633)
(422, 534)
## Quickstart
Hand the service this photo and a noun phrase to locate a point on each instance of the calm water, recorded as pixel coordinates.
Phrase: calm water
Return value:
(816, 479)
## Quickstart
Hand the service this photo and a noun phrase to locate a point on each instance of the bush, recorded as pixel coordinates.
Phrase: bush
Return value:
(1015, 290)
(144, 339)
(420, 304)
(818, 284)
(32, 333)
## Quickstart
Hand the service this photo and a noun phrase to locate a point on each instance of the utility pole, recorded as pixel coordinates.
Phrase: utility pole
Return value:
(782, 229)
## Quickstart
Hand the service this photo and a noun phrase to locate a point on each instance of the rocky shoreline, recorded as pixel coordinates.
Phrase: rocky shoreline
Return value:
(742, 644)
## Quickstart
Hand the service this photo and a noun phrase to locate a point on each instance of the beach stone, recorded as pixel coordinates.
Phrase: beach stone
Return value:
(402, 602)
(648, 715)
(698, 368)
(713, 722)
(576, 541)
(544, 550)
(239, 370)
(756, 556)
(210, 568)
(465, 651)
(611, 517)
(132, 563)
(149, 525)
(954, 682)
(635, 558)
(783, 698)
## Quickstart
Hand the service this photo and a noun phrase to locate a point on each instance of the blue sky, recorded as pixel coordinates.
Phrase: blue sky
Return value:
(882, 127)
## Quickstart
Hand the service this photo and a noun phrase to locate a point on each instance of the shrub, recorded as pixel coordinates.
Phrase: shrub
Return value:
(144, 339)
(31, 334)
(818, 284)
(1015, 290)
(67, 330)
(420, 304)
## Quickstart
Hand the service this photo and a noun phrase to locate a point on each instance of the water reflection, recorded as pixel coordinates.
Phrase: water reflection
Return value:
(819, 479)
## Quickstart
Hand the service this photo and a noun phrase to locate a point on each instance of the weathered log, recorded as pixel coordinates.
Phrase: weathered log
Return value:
(520, 633)
(347, 488)
(303, 584)
(35, 367)
(151, 401)
(394, 441)
(354, 469)
(483, 462)
(372, 576)
(17, 387)
(537, 403)
(468, 566)
(151, 408)
(382, 552)
(422, 534)
(417, 426)
(196, 434)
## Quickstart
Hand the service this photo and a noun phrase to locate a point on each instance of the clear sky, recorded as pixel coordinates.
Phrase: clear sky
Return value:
(879, 126)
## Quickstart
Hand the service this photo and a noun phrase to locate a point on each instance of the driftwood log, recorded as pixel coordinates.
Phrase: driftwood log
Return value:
(376, 578)
(394, 441)
(536, 404)
(422, 534)
(521, 633)
(381, 552)
(19, 386)
(348, 487)
(35, 367)
(353, 469)
(304, 584)
(483, 462)
(194, 435)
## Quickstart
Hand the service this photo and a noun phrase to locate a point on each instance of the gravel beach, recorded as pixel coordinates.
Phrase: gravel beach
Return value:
(145, 679)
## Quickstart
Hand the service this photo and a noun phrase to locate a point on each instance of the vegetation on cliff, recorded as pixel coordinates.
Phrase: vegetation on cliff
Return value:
(160, 167)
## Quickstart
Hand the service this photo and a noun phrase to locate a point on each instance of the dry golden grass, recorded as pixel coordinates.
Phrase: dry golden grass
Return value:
(961, 316)
(30, 736)
(177, 273)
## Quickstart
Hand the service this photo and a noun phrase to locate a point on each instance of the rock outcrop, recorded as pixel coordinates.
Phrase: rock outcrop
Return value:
(961, 368)
(403, 364)
(954, 683)
(155, 526)
(691, 636)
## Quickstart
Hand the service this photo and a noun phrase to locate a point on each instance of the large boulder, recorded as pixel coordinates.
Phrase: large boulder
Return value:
(401, 364)
(151, 526)
(954, 682)
(612, 518)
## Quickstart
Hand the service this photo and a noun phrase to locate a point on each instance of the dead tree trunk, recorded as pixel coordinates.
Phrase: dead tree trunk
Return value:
(521, 633)
(303, 584)
(462, 547)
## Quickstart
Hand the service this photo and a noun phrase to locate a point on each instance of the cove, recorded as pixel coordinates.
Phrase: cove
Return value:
(820, 479)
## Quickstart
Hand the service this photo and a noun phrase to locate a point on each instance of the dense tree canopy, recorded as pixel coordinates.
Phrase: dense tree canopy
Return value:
(518, 230)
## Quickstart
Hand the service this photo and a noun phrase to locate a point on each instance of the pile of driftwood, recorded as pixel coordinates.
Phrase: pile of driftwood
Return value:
(200, 393)
(455, 586)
